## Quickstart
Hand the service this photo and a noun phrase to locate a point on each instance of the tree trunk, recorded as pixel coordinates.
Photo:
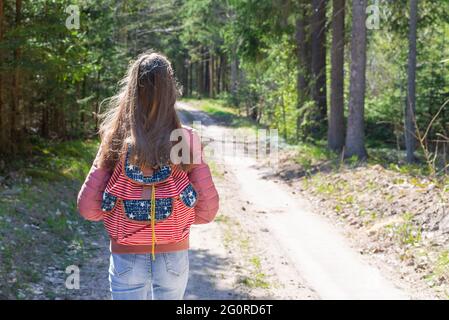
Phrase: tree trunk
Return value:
(190, 79)
(206, 73)
(211, 75)
(218, 72)
(303, 77)
(2, 125)
(410, 125)
(318, 42)
(234, 75)
(15, 80)
(284, 118)
(45, 130)
(225, 74)
(355, 136)
(185, 72)
(97, 100)
(336, 134)
(200, 77)
(74, 120)
(83, 112)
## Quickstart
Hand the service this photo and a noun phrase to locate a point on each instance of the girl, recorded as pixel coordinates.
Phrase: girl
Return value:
(146, 198)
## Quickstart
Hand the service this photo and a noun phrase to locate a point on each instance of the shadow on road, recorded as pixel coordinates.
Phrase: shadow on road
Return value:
(206, 280)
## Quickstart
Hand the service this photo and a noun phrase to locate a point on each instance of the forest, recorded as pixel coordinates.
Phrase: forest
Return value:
(358, 92)
(348, 74)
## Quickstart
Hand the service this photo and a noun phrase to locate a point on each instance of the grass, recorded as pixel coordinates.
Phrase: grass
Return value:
(216, 169)
(325, 187)
(310, 155)
(257, 279)
(223, 113)
(233, 232)
(38, 218)
(442, 265)
(55, 161)
(385, 179)
(407, 233)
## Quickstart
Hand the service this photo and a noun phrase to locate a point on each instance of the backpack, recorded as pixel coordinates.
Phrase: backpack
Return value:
(141, 209)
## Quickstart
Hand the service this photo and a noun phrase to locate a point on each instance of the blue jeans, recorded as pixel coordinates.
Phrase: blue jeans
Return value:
(138, 277)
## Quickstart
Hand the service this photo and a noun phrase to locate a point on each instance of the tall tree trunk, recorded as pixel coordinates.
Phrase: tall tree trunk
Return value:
(355, 136)
(83, 112)
(206, 73)
(234, 75)
(97, 100)
(410, 125)
(302, 49)
(284, 118)
(224, 74)
(74, 121)
(190, 78)
(45, 130)
(336, 134)
(211, 75)
(318, 42)
(2, 126)
(218, 71)
(200, 77)
(15, 79)
(185, 72)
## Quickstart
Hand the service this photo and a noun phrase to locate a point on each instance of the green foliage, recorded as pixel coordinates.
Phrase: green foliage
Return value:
(65, 74)
(38, 215)
(407, 232)
(269, 90)
(223, 112)
(387, 71)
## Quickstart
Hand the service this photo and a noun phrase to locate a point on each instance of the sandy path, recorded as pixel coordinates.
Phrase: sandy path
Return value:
(301, 254)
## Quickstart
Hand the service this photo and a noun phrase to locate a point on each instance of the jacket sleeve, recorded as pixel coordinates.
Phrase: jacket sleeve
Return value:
(201, 178)
(91, 194)
(208, 200)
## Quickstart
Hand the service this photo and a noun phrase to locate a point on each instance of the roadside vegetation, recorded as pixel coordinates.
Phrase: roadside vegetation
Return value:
(40, 230)
(393, 209)
(358, 90)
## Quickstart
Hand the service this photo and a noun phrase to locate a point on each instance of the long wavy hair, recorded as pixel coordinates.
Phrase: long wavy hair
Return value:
(142, 114)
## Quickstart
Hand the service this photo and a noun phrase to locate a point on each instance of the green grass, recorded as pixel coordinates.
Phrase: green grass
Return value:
(223, 113)
(70, 159)
(309, 155)
(257, 279)
(329, 188)
(234, 238)
(38, 218)
(442, 265)
(216, 169)
(315, 161)
(55, 161)
(221, 218)
(407, 233)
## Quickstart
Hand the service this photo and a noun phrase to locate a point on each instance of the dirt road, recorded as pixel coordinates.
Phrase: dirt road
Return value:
(268, 243)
